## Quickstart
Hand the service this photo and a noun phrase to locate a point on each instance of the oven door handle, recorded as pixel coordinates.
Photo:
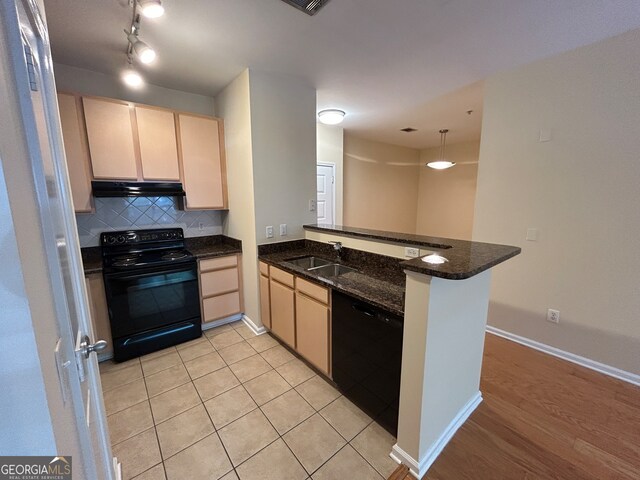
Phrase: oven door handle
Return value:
(151, 271)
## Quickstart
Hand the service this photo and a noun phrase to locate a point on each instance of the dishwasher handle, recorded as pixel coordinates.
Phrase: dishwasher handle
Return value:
(380, 316)
(363, 309)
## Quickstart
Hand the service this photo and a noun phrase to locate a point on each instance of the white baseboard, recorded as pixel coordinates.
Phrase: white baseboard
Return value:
(419, 468)
(568, 356)
(258, 330)
(219, 323)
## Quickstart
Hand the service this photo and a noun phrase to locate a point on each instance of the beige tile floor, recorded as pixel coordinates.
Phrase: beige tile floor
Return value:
(232, 405)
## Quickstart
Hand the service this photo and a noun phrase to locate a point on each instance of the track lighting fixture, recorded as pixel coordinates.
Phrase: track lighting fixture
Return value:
(132, 78)
(144, 52)
(151, 8)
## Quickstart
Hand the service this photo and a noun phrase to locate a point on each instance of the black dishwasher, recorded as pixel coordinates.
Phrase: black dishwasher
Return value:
(367, 357)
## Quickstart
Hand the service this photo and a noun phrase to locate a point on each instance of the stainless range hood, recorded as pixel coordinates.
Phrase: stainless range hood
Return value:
(137, 189)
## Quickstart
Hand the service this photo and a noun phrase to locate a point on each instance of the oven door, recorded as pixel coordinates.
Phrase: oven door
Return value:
(152, 306)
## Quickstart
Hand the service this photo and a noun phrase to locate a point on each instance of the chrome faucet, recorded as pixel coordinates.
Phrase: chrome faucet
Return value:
(337, 246)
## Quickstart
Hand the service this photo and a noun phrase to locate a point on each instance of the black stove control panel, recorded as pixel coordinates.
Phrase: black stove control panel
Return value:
(141, 236)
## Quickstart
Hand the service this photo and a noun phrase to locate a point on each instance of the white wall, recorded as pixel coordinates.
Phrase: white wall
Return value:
(581, 190)
(283, 137)
(234, 106)
(446, 198)
(330, 149)
(87, 82)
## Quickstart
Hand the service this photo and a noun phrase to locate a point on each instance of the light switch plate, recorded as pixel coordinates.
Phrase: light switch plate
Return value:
(313, 205)
(269, 231)
(532, 234)
(283, 230)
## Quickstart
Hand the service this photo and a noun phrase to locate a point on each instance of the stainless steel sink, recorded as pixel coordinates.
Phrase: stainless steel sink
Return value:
(332, 270)
(308, 262)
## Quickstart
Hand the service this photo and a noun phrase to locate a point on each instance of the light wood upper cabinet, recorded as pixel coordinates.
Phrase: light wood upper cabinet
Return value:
(76, 151)
(111, 142)
(283, 312)
(158, 146)
(202, 162)
(312, 331)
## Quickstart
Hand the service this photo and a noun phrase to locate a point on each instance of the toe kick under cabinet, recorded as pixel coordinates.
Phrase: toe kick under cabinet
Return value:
(298, 312)
(220, 287)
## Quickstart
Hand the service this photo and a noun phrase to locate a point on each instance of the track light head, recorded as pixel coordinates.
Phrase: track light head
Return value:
(151, 8)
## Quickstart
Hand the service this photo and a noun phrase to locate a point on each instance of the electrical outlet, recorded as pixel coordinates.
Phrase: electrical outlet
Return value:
(411, 252)
(312, 205)
(283, 230)
(532, 234)
(553, 316)
(270, 231)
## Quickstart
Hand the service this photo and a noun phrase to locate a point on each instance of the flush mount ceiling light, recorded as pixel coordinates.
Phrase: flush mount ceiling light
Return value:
(331, 116)
(441, 164)
(151, 8)
(310, 7)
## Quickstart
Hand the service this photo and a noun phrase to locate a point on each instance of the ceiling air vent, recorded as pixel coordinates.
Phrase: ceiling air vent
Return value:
(309, 7)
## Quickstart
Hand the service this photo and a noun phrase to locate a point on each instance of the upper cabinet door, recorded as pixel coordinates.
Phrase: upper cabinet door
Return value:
(158, 146)
(111, 142)
(202, 162)
(76, 152)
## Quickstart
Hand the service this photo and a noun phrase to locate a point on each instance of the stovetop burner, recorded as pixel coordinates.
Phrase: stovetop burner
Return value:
(175, 255)
(138, 249)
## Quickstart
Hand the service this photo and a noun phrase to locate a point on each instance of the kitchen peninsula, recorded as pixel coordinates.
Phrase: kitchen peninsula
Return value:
(445, 315)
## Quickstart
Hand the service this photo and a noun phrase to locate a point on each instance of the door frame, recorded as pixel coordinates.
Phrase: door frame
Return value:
(334, 169)
(40, 202)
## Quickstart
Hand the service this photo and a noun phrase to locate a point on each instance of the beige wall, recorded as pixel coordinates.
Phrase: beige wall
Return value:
(87, 82)
(446, 198)
(283, 137)
(380, 185)
(581, 190)
(233, 106)
(330, 149)
(387, 187)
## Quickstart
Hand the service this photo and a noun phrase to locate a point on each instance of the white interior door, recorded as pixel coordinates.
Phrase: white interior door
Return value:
(83, 411)
(326, 193)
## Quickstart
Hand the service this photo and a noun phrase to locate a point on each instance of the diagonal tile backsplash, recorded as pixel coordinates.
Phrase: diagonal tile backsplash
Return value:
(144, 212)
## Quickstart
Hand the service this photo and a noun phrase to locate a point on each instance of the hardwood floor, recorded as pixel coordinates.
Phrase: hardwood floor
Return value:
(543, 418)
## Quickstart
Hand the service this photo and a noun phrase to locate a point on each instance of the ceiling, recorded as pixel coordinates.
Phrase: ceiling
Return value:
(388, 64)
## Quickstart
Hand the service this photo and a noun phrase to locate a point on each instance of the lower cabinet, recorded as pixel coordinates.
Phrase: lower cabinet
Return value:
(283, 320)
(99, 312)
(220, 288)
(265, 304)
(312, 331)
(298, 312)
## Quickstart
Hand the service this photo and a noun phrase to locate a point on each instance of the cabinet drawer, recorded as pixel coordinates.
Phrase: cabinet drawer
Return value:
(281, 276)
(312, 290)
(221, 306)
(264, 268)
(219, 281)
(218, 263)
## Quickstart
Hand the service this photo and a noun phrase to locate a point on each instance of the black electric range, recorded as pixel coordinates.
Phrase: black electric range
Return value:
(151, 284)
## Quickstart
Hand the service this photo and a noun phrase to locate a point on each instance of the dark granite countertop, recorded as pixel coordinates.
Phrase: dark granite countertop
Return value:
(202, 247)
(380, 280)
(464, 258)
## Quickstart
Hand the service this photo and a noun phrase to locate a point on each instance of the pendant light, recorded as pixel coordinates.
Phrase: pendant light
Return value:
(441, 164)
(151, 8)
